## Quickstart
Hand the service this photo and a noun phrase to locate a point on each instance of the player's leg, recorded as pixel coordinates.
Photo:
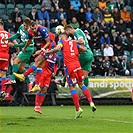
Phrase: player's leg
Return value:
(74, 94)
(87, 94)
(40, 96)
(3, 69)
(38, 63)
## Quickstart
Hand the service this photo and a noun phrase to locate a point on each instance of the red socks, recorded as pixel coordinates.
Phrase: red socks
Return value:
(75, 98)
(30, 70)
(39, 99)
(86, 93)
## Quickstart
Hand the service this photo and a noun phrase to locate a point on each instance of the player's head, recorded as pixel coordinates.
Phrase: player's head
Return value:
(63, 36)
(26, 23)
(33, 26)
(69, 30)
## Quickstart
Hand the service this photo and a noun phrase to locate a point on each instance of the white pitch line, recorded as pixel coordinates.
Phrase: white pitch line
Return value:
(118, 121)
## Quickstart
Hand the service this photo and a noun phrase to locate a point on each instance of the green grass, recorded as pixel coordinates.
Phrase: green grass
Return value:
(60, 119)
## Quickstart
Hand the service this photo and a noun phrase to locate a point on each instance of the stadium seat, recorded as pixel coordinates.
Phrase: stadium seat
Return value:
(21, 8)
(28, 8)
(132, 54)
(10, 8)
(129, 9)
(4, 18)
(127, 53)
(23, 16)
(2, 9)
(38, 6)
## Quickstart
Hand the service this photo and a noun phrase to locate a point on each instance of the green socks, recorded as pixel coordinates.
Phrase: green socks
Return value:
(14, 69)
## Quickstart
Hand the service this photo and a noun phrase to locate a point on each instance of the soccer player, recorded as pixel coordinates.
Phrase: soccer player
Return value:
(4, 58)
(45, 37)
(48, 69)
(86, 57)
(73, 70)
(23, 56)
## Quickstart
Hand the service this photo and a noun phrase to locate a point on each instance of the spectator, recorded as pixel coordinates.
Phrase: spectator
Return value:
(108, 18)
(97, 15)
(116, 15)
(114, 64)
(115, 38)
(121, 26)
(97, 66)
(18, 23)
(9, 26)
(102, 28)
(94, 28)
(76, 4)
(120, 4)
(112, 72)
(52, 90)
(74, 23)
(43, 17)
(106, 65)
(15, 14)
(108, 50)
(65, 4)
(86, 26)
(118, 50)
(93, 4)
(85, 4)
(102, 4)
(62, 16)
(33, 15)
(126, 16)
(104, 39)
(53, 18)
(46, 4)
(94, 43)
(111, 5)
(55, 4)
(128, 2)
(70, 14)
(130, 42)
(81, 17)
(89, 15)
(131, 67)
(123, 38)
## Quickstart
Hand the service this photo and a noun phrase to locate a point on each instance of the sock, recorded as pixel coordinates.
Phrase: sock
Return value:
(39, 99)
(14, 69)
(38, 75)
(86, 82)
(86, 93)
(75, 98)
(3, 81)
(30, 70)
(26, 78)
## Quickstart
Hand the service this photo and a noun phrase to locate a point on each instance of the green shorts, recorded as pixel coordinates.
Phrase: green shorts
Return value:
(25, 56)
(86, 60)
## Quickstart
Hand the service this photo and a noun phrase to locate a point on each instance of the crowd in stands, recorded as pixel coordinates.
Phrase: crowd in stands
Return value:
(107, 25)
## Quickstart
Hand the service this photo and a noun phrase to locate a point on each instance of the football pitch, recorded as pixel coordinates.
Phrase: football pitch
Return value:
(60, 119)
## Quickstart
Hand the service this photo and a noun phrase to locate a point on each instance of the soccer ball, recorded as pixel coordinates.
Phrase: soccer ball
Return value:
(59, 29)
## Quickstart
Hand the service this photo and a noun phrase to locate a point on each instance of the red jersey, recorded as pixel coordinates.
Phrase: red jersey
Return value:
(4, 48)
(69, 51)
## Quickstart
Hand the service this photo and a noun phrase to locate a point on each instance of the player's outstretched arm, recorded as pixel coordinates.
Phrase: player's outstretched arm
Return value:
(56, 49)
